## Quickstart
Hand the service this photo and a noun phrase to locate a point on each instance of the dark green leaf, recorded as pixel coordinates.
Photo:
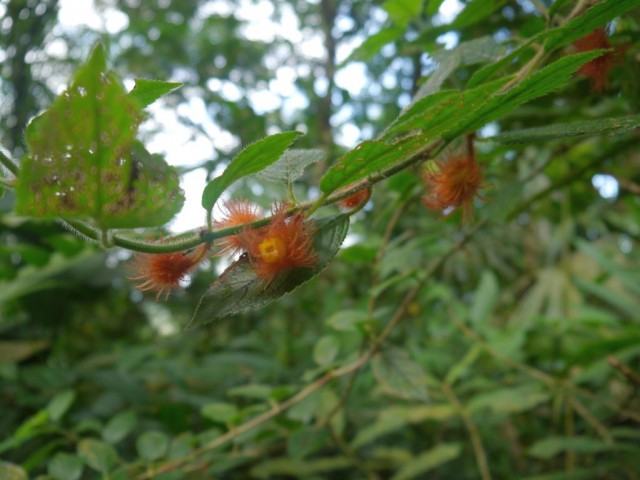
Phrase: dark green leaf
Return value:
(348, 320)
(428, 460)
(16, 351)
(152, 446)
(510, 400)
(239, 289)
(64, 466)
(252, 159)
(119, 426)
(98, 455)
(146, 91)
(399, 375)
(307, 440)
(292, 164)
(566, 130)
(59, 404)
(597, 16)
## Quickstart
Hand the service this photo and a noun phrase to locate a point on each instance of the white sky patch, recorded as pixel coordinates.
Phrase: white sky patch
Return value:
(352, 78)
(607, 186)
(448, 11)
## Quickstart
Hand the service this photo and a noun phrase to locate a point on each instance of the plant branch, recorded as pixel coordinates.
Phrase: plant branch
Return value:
(7, 162)
(474, 434)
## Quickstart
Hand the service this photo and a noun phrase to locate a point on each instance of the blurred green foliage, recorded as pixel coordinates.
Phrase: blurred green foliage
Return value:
(516, 347)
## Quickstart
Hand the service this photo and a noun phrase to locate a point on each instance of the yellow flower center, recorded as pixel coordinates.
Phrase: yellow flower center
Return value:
(272, 250)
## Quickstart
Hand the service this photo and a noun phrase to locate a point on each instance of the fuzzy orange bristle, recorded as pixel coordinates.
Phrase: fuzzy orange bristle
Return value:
(455, 184)
(236, 212)
(162, 272)
(287, 242)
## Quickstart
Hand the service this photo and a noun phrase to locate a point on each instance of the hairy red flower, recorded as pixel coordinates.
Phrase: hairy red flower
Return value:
(162, 272)
(454, 184)
(287, 242)
(236, 212)
(357, 199)
(598, 69)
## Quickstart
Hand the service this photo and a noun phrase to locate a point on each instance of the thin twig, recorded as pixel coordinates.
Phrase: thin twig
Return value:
(474, 434)
(631, 375)
(7, 162)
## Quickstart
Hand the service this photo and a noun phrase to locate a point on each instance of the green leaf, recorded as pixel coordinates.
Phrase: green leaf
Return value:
(373, 44)
(77, 165)
(98, 455)
(475, 11)
(479, 50)
(220, 412)
(59, 404)
(510, 400)
(602, 126)
(152, 446)
(403, 11)
(399, 375)
(291, 165)
(486, 72)
(551, 446)
(119, 427)
(348, 320)
(307, 440)
(433, 6)
(485, 297)
(252, 159)
(597, 16)
(239, 289)
(326, 350)
(428, 460)
(10, 471)
(16, 350)
(145, 92)
(550, 78)
(64, 466)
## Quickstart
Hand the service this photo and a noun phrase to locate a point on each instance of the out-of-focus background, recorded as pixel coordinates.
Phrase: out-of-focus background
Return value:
(519, 359)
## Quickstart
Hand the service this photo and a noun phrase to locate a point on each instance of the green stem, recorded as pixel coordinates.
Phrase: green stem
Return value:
(9, 183)
(7, 162)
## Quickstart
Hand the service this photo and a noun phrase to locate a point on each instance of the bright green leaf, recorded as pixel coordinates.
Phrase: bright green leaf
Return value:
(602, 126)
(119, 426)
(475, 11)
(403, 11)
(145, 92)
(152, 445)
(326, 350)
(428, 460)
(59, 404)
(98, 455)
(373, 44)
(399, 375)
(252, 159)
(64, 466)
(220, 412)
(239, 288)
(347, 320)
(433, 6)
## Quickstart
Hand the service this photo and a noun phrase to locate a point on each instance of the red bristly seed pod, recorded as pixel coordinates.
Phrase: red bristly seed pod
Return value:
(234, 213)
(357, 199)
(598, 69)
(163, 272)
(453, 185)
(286, 243)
